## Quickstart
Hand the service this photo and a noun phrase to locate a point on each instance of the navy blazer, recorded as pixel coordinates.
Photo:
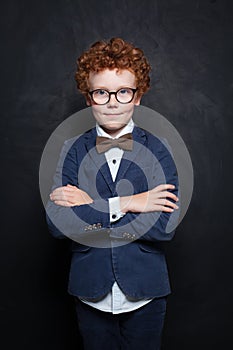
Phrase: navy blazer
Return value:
(129, 250)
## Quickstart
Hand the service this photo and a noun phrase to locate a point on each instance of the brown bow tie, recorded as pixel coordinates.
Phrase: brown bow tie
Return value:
(103, 144)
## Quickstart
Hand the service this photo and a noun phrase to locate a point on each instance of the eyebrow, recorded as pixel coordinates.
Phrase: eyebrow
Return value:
(122, 87)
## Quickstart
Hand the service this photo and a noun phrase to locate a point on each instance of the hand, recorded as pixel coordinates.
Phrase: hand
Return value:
(150, 201)
(69, 196)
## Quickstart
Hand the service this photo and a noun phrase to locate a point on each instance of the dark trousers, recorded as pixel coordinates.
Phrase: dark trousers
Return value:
(140, 329)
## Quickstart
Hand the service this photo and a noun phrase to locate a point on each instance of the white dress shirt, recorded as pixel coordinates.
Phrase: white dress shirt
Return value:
(115, 301)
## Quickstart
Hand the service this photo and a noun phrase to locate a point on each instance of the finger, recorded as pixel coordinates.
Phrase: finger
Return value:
(167, 210)
(63, 193)
(56, 196)
(63, 189)
(61, 197)
(165, 202)
(168, 194)
(171, 204)
(58, 189)
(162, 195)
(63, 203)
(164, 187)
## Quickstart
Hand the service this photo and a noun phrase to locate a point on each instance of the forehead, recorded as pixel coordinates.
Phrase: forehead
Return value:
(112, 79)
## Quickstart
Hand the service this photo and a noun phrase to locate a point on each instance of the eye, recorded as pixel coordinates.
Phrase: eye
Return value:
(101, 93)
(124, 91)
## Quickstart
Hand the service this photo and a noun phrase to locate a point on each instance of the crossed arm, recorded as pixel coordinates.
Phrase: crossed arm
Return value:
(157, 199)
(158, 204)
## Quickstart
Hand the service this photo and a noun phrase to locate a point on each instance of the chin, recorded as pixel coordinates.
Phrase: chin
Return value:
(113, 128)
(114, 125)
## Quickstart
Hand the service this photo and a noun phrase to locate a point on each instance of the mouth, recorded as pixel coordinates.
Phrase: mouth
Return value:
(112, 114)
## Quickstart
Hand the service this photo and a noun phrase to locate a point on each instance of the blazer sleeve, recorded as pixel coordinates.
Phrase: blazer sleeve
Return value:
(153, 226)
(73, 222)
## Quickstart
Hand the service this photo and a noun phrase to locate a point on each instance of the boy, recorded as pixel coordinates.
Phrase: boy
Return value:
(121, 183)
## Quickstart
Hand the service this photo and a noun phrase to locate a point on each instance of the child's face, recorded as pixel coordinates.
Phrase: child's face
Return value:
(113, 116)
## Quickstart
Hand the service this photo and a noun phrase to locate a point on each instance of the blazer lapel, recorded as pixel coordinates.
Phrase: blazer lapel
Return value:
(139, 139)
(98, 159)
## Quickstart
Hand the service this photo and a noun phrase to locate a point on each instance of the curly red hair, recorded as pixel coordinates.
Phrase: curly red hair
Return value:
(110, 55)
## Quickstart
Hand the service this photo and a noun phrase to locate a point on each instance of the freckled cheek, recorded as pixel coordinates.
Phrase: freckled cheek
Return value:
(97, 113)
(128, 111)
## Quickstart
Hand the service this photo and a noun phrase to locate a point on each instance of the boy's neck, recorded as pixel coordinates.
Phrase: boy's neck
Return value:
(115, 133)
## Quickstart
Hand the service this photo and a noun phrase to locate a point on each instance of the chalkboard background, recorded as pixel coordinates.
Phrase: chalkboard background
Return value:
(189, 44)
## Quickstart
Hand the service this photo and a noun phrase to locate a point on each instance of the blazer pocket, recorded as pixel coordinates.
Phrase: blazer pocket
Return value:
(80, 248)
(148, 248)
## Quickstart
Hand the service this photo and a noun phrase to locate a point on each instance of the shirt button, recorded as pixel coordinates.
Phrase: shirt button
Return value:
(114, 161)
(114, 216)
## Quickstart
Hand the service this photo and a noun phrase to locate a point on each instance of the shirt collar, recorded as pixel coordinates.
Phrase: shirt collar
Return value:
(127, 129)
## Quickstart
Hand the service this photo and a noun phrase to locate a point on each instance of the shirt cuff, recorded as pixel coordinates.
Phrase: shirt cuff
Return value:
(114, 209)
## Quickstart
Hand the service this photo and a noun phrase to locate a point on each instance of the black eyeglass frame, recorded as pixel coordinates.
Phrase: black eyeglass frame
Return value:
(112, 93)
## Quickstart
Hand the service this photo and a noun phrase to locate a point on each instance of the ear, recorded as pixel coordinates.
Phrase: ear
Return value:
(137, 100)
(88, 100)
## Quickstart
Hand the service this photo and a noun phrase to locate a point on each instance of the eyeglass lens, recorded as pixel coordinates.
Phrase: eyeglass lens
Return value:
(124, 95)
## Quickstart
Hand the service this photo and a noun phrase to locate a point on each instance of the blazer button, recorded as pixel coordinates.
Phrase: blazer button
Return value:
(130, 236)
(126, 235)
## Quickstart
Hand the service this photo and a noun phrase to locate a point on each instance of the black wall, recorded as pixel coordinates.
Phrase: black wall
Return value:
(189, 44)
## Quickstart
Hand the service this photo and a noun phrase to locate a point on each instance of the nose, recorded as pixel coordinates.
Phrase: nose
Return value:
(113, 101)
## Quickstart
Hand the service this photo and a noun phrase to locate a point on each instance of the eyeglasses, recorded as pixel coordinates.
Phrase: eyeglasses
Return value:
(123, 95)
